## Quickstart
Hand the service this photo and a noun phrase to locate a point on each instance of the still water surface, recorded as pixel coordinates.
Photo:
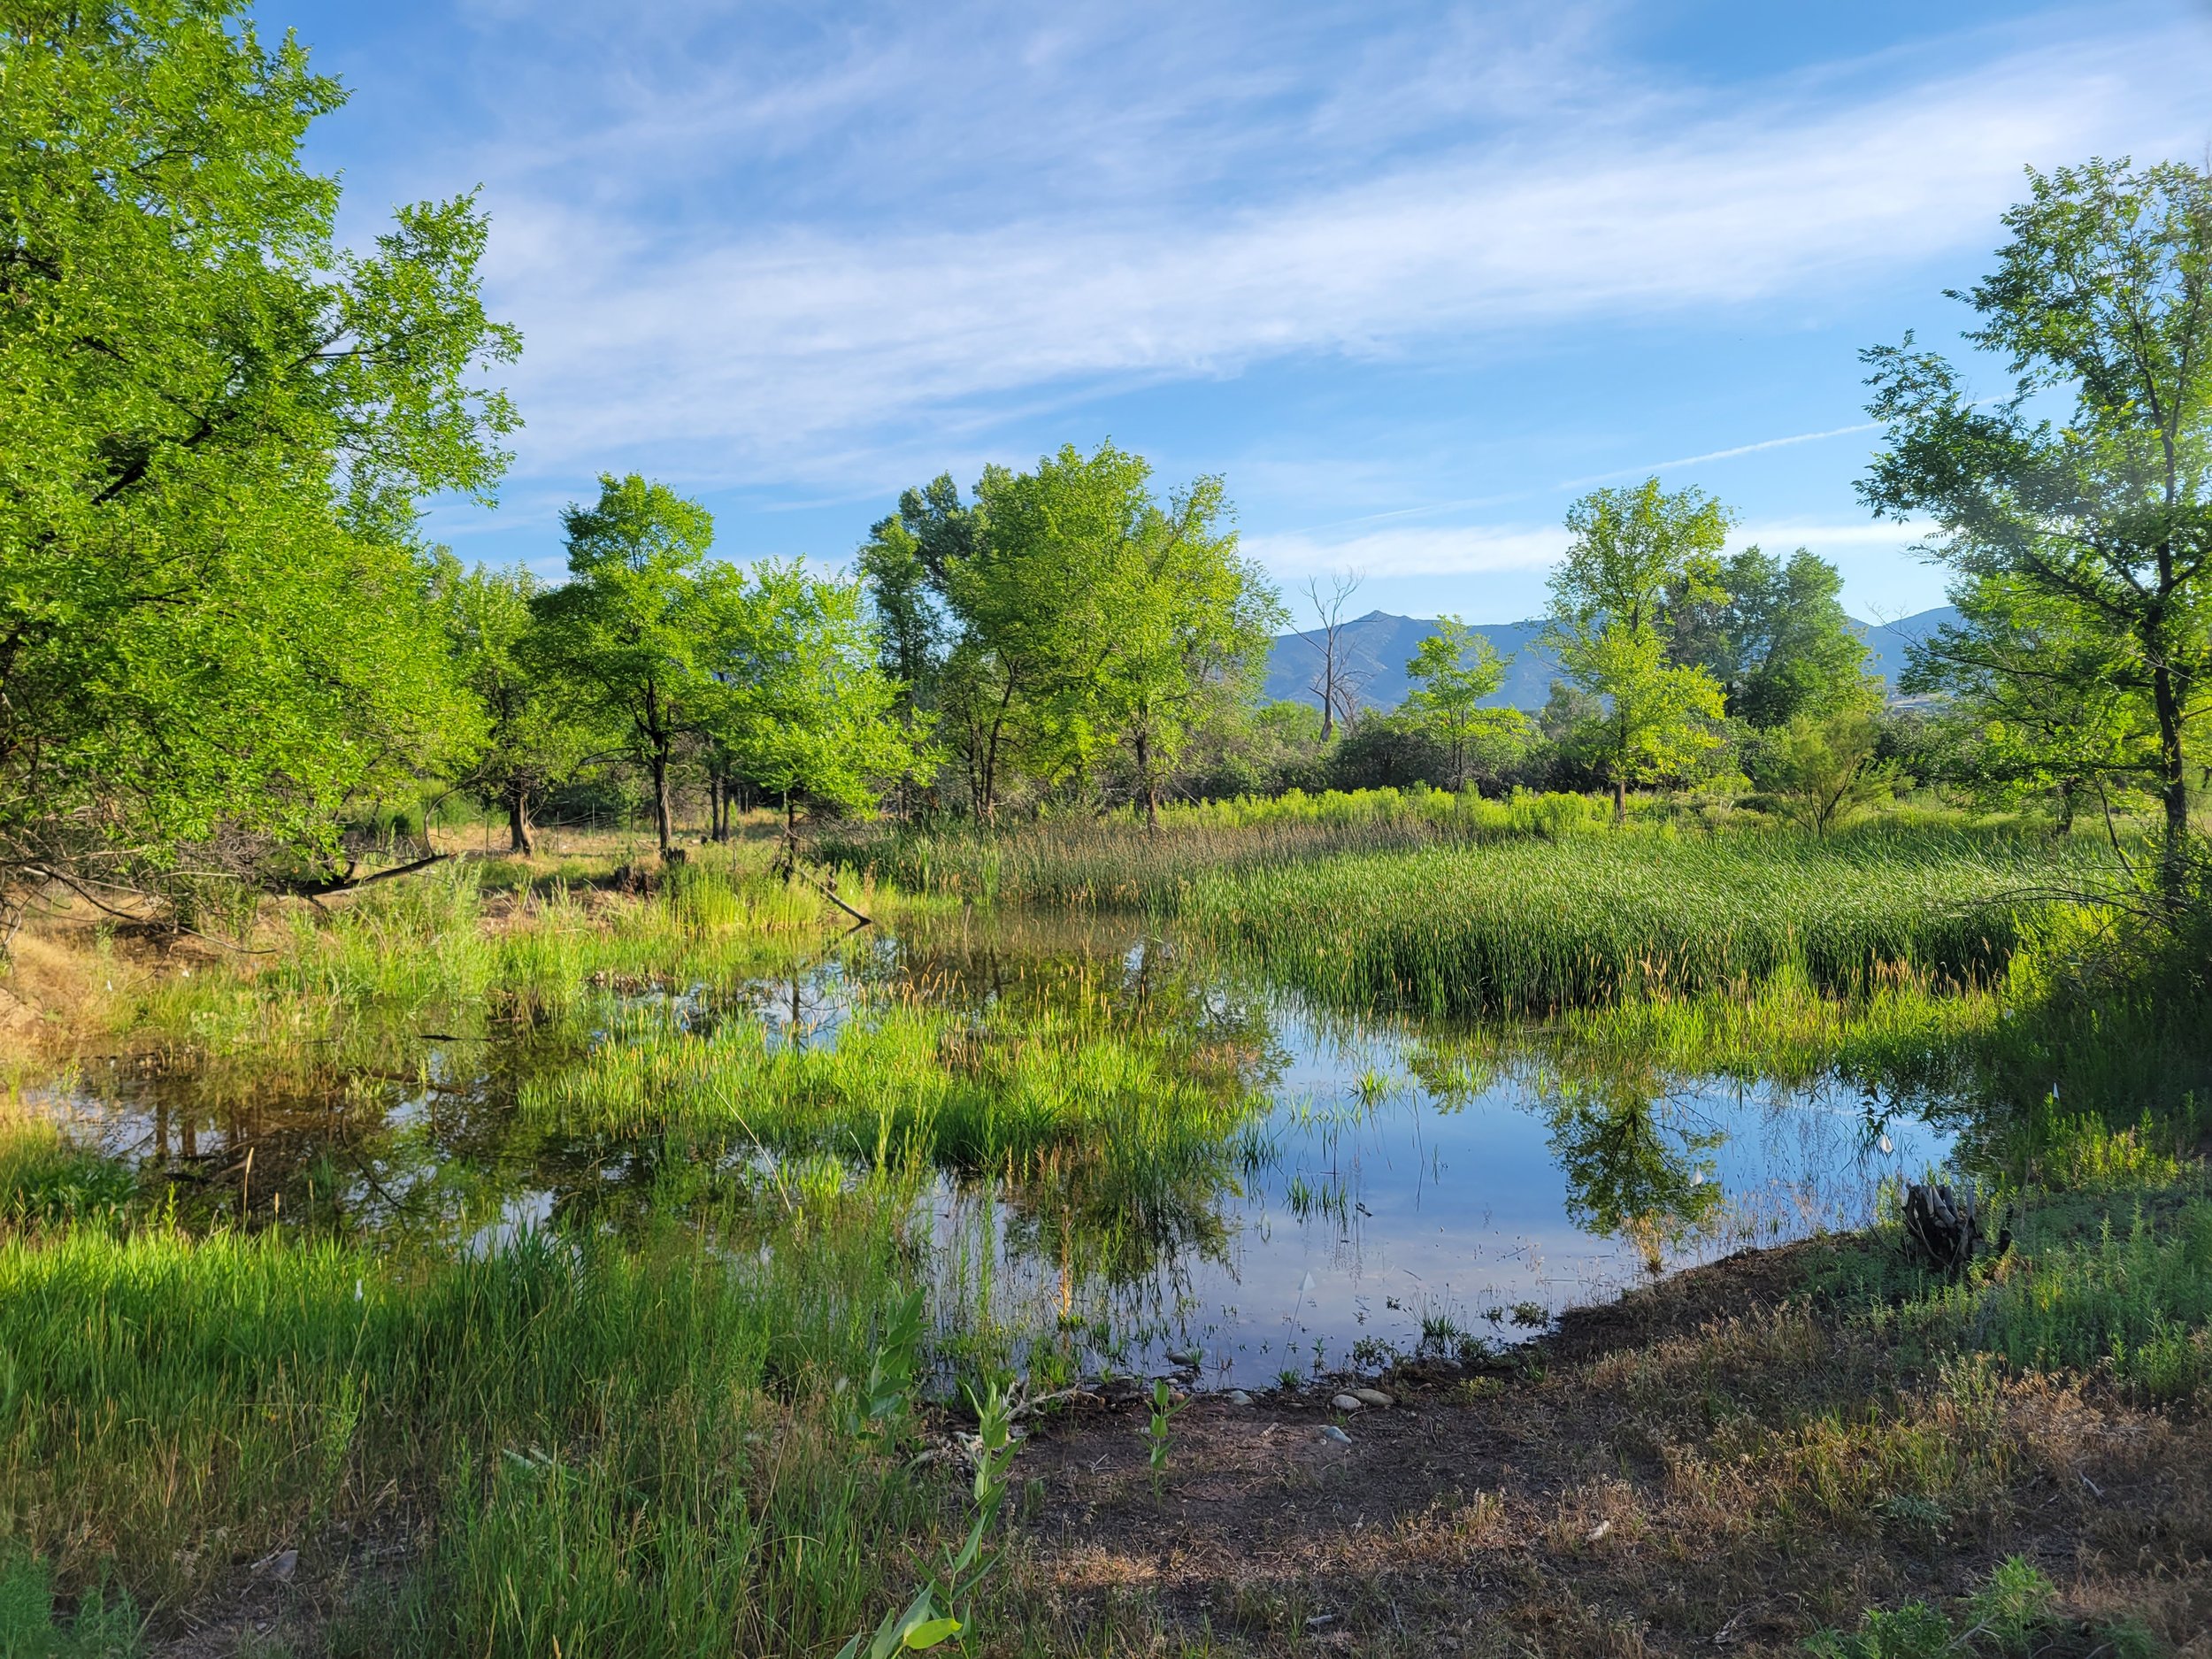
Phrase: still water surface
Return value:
(1400, 1184)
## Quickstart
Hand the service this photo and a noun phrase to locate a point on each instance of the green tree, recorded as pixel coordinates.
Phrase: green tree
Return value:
(902, 592)
(1608, 625)
(805, 707)
(1773, 633)
(1187, 625)
(218, 425)
(2100, 300)
(631, 629)
(1078, 612)
(2033, 706)
(1456, 669)
(1826, 766)
(533, 737)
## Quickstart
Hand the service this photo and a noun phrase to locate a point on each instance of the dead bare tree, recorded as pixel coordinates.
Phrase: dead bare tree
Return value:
(1337, 685)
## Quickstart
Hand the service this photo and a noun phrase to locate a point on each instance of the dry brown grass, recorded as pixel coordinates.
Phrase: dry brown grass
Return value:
(1733, 1483)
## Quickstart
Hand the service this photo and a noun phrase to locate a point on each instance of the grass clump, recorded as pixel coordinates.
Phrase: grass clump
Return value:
(1533, 927)
(2015, 1613)
(32, 1627)
(2130, 1298)
(46, 1180)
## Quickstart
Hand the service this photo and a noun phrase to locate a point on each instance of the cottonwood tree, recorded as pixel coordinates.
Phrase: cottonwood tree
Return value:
(1078, 613)
(214, 615)
(1187, 626)
(533, 736)
(910, 621)
(1454, 669)
(1608, 625)
(804, 705)
(631, 629)
(2035, 707)
(2088, 530)
(1773, 633)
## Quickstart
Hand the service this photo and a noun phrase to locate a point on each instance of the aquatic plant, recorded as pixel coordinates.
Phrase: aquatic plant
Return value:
(1533, 927)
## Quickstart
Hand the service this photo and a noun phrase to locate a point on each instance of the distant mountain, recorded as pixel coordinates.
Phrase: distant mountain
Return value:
(1377, 647)
(1885, 642)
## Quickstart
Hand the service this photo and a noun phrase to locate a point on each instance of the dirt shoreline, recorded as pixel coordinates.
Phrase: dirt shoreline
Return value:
(1718, 1461)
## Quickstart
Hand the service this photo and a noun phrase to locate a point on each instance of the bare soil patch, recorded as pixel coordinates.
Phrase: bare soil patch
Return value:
(1714, 1463)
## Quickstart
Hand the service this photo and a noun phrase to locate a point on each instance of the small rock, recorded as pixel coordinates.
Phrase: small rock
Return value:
(1188, 1358)
(1372, 1397)
(1238, 1397)
(1347, 1403)
(1599, 1531)
(278, 1566)
(1330, 1431)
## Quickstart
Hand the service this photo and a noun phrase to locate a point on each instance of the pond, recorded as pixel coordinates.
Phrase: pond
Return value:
(1372, 1188)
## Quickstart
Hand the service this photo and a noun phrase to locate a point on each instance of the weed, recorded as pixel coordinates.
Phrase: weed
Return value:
(1165, 1406)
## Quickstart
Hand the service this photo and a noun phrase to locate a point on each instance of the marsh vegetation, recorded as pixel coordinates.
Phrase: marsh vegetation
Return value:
(953, 1124)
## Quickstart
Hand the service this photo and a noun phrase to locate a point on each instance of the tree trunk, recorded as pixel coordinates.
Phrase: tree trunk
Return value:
(990, 756)
(1148, 784)
(1620, 801)
(518, 837)
(662, 824)
(2173, 779)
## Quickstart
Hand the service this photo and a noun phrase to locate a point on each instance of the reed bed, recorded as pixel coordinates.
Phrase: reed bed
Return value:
(1533, 927)
(358, 986)
(1113, 863)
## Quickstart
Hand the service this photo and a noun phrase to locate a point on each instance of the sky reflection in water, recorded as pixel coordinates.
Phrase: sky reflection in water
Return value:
(1396, 1184)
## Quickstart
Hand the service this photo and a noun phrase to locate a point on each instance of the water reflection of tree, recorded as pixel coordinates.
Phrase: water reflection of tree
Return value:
(1638, 1164)
(1116, 1221)
(1635, 1169)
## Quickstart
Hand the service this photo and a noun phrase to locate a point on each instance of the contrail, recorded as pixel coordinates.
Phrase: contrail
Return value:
(1722, 454)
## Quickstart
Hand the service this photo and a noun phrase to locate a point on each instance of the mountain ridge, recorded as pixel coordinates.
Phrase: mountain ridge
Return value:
(1378, 646)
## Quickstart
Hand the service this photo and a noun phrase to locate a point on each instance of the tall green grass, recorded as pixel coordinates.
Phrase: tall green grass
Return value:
(1113, 862)
(2114, 1283)
(355, 991)
(633, 1451)
(1534, 927)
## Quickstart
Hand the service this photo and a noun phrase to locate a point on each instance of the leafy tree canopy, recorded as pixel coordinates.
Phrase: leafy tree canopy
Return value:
(630, 630)
(2081, 543)
(1772, 632)
(217, 424)
(1653, 719)
(805, 707)
(1455, 669)
(532, 735)
(1066, 612)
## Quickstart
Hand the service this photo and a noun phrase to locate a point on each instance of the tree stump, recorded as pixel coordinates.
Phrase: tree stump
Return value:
(1943, 1229)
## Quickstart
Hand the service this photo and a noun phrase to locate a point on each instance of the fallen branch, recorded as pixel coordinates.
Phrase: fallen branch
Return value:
(348, 882)
(788, 865)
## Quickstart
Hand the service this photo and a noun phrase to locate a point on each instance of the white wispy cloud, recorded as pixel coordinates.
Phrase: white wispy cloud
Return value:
(811, 348)
(1481, 550)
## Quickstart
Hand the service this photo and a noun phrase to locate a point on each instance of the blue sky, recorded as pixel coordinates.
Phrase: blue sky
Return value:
(1410, 277)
